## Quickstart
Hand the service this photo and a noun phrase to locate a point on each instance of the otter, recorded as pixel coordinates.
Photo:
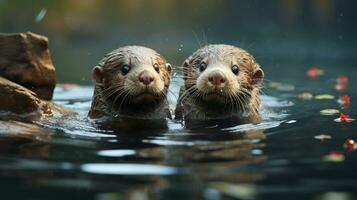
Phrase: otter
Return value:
(131, 82)
(220, 82)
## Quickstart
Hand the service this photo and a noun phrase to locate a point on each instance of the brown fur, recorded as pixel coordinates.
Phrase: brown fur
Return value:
(236, 98)
(118, 95)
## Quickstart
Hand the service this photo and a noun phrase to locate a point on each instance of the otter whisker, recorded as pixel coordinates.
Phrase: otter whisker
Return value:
(119, 95)
(123, 100)
(119, 90)
(115, 86)
(241, 103)
(197, 39)
(185, 95)
(108, 94)
(217, 93)
(112, 91)
(232, 103)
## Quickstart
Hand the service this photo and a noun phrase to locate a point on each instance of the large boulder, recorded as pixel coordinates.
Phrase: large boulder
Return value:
(25, 59)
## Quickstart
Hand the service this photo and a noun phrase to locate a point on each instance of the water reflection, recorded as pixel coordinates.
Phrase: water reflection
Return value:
(209, 162)
(151, 165)
(116, 152)
(129, 169)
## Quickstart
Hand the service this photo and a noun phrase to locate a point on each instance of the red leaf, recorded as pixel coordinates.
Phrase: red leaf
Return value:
(312, 72)
(342, 79)
(345, 99)
(340, 86)
(344, 117)
(350, 144)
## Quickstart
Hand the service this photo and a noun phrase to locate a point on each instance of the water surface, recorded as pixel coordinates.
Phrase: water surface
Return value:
(276, 159)
(71, 158)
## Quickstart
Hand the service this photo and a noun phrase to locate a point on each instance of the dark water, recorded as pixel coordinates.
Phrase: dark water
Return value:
(276, 159)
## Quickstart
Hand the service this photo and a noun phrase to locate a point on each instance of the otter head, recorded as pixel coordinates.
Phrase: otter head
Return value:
(217, 75)
(132, 77)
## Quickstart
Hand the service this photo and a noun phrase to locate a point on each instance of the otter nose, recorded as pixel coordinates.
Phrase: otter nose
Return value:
(216, 78)
(146, 77)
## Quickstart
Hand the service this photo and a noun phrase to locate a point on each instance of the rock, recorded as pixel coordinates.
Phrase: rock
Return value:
(20, 103)
(17, 99)
(25, 59)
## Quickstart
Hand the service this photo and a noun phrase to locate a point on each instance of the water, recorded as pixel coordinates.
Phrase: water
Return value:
(276, 159)
(71, 158)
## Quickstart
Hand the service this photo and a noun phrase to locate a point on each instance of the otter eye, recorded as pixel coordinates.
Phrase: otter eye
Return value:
(125, 69)
(203, 66)
(156, 67)
(235, 69)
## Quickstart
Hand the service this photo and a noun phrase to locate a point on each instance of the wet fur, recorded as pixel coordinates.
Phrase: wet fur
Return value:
(115, 96)
(240, 100)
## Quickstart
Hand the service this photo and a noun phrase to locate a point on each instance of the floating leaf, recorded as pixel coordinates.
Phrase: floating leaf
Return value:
(334, 156)
(274, 84)
(344, 118)
(322, 137)
(342, 79)
(329, 112)
(281, 86)
(306, 96)
(350, 145)
(314, 72)
(324, 96)
(344, 100)
(341, 87)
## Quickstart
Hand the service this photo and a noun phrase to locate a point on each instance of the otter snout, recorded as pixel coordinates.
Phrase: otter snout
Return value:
(216, 78)
(146, 77)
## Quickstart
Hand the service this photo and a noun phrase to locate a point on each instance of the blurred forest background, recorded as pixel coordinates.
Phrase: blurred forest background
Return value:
(80, 32)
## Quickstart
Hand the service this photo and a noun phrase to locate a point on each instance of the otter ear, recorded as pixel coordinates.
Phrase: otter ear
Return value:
(185, 69)
(258, 76)
(97, 75)
(168, 67)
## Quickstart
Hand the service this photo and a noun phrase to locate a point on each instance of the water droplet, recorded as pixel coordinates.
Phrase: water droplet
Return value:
(40, 15)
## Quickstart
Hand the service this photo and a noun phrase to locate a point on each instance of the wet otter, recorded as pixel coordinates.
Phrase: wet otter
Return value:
(221, 82)
(131, 82)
